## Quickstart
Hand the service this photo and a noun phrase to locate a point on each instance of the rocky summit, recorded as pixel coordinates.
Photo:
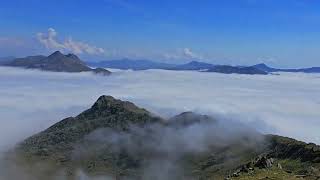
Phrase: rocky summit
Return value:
(56, 62)
(118, 140)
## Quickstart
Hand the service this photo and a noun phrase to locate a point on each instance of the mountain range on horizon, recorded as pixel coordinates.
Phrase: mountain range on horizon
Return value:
(72, 63)
(126, 64)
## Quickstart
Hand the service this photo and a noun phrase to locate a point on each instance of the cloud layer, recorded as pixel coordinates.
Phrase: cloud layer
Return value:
(287, 104)
(49, 40)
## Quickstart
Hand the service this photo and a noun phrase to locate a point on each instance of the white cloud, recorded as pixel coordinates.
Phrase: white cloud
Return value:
(187, 52)
(49, 40)
(287, 104)
(183, 53)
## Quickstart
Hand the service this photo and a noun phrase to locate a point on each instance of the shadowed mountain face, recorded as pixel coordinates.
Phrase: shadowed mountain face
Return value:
(236, 70)
(119, 139)
(57, 62)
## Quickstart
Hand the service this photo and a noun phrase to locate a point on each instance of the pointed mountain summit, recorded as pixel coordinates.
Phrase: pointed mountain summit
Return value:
(56, 62)
(56, 54)
(106, 112)
(264, 67)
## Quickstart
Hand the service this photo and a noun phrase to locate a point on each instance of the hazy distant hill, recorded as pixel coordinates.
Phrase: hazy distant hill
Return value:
(193, 65)
(5, 60)
(226, 69)
(197, 66)
(266, 68)
(132, 64)
(57, 62)
(119, 139)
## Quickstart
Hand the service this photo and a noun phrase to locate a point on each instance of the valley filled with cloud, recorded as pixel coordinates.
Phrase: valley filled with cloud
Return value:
(286, 104)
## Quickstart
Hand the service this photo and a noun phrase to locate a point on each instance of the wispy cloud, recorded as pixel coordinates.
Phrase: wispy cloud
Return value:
(183, 53)
(49, 40)
(187, 52)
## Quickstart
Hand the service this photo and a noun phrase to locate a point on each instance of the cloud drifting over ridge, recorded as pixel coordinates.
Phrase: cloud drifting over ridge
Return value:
(287, 104)
(49, 40)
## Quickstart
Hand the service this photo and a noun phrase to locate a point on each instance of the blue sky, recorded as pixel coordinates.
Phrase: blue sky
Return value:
(284, 33)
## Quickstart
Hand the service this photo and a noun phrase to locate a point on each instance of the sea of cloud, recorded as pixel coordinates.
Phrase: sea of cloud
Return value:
(287, 104)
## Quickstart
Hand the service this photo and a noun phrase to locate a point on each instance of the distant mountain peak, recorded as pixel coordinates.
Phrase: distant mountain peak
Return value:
(56, 54)
(198, 62)
(262, 65)
(56, 62)
(107, 102)
(104, 100)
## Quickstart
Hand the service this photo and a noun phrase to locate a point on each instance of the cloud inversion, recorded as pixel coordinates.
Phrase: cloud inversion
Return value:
(287, 104)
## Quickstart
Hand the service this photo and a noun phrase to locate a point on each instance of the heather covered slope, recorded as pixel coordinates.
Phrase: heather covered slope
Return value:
(107, 112)
(117, 139)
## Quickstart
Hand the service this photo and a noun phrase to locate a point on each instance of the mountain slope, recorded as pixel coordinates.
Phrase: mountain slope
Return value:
(57, 62)
(106, 112)
(118, 139)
